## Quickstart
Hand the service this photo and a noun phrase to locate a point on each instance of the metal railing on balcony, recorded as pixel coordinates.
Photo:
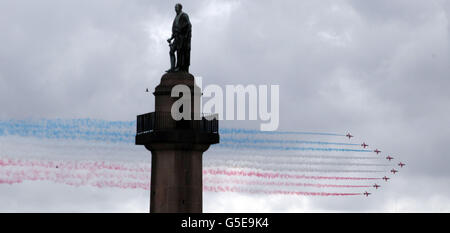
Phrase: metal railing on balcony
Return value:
(149, 122)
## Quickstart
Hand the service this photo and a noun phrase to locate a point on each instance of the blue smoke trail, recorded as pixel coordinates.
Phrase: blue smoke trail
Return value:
(86, 129)
(285, 148)
(251, 131)
(298, 156)
(124, 131)
(254, 140)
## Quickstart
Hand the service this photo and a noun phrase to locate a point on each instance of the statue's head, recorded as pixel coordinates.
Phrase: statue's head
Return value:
(178, 8)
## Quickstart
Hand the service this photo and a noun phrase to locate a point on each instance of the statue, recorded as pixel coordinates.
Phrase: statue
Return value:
(181, 37)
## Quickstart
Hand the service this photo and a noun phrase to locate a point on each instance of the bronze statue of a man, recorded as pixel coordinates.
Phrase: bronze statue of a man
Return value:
(181, 36)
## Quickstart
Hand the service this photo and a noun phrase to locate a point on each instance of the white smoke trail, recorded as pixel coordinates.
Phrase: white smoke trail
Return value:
(238, 189)
(282, 167)
(240, 181)
(233, 160)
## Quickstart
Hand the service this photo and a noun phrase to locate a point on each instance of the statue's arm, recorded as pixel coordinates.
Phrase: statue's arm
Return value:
(171, 38)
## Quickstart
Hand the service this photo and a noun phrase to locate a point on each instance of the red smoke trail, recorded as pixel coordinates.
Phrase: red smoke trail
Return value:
(96, 179)
(276, 175)
(10, 181)
(287, 184)
(146, 186)
(98, 184)
(105, 174)
(72, 165)
(104, 179)
(123, 185)
(93, 166)
(283, 192)
(96, 165)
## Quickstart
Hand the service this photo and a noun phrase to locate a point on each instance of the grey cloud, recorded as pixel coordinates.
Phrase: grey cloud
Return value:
(376, 68)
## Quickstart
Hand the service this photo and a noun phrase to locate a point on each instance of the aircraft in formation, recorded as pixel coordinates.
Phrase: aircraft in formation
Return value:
(385, 178)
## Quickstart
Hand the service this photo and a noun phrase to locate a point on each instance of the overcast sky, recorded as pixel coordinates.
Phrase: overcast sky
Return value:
(379, 69)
